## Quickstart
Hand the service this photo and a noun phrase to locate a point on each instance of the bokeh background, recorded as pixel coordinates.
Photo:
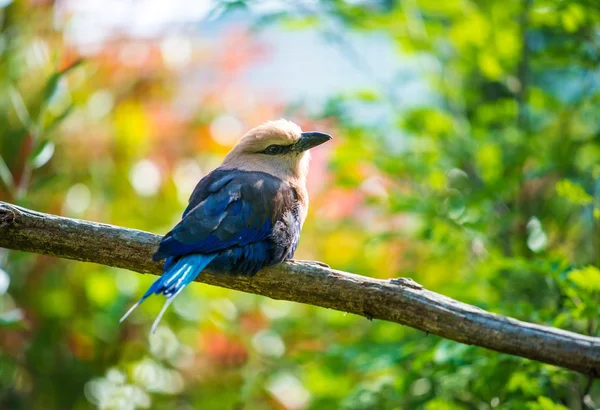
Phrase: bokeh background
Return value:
(466, 156)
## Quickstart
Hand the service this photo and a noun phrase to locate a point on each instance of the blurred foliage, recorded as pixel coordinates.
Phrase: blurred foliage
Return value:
(489, 192)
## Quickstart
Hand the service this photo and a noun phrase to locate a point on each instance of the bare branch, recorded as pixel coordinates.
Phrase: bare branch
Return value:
(397, 300)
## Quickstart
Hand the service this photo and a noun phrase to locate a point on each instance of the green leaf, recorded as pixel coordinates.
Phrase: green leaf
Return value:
(43, 154)
(520, 381)
(545, 403)
(441, 404)
(6, 176)
(54, 80)
(489, 161)
(20, 108)
(367, 95)
(587, 278)
(573, 192)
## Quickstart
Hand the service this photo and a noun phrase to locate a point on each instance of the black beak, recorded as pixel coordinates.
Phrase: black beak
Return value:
(310, 140)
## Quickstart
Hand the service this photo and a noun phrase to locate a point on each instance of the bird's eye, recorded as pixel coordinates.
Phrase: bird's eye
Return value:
(273, 150)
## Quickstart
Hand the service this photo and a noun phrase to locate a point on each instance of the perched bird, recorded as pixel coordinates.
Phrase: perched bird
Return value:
(244, 215)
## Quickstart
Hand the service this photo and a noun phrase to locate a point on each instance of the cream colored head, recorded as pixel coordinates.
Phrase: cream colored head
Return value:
(279, 148)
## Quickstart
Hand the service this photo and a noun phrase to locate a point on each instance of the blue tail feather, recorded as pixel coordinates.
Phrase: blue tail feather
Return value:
(176, 277)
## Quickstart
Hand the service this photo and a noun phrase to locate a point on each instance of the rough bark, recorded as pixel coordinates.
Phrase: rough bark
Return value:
(397, 300)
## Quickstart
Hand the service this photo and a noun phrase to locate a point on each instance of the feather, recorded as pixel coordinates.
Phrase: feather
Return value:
(176, 277)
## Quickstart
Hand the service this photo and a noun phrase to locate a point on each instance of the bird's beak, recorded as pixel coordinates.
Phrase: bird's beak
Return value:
(310, 140)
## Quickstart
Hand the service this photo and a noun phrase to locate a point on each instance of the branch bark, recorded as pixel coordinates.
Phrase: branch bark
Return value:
(397, 300)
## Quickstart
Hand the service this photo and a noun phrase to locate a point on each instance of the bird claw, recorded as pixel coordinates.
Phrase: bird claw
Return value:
(318, 263)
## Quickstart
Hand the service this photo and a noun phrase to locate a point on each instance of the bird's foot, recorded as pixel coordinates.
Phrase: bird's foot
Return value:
(406, 283)
(321, 264)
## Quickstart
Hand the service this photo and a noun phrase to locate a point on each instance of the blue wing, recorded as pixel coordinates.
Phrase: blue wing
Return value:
(228, 209)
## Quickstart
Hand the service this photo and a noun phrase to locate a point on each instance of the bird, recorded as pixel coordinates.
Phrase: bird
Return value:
(242, 216)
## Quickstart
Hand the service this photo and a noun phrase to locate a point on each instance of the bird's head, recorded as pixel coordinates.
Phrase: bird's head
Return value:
(279, 148)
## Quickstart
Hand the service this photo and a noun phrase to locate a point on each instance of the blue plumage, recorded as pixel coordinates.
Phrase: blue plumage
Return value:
(176, 277)
(236, 222)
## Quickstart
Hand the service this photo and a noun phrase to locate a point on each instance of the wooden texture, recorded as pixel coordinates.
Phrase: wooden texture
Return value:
(397, 300)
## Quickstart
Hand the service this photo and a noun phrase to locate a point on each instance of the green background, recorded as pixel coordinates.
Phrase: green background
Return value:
(487, 191)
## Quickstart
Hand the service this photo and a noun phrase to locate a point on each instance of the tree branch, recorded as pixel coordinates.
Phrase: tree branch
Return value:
(396, 300)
